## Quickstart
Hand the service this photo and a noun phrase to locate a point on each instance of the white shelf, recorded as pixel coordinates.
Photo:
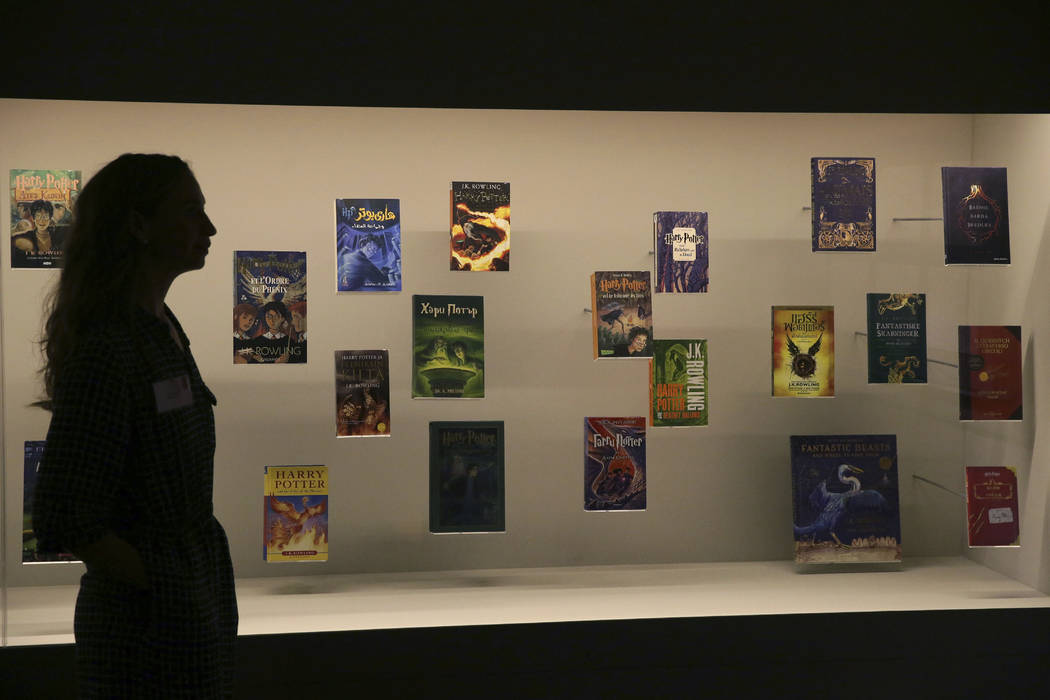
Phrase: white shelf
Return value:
(319, 603)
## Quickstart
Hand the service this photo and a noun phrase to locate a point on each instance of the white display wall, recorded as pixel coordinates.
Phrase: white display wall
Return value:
(584, 186)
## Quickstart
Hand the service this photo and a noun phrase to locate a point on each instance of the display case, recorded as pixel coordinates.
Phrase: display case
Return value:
(715, 538)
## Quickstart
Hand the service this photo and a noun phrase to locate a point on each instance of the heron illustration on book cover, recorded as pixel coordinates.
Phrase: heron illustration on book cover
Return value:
(845, 498)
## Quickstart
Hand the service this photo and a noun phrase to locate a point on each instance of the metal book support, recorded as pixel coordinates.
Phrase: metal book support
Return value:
(942, 487)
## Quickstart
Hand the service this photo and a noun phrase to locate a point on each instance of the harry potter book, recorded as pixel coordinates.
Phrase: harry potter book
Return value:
(295, 513)
(976, 216)
(269, 307)
(803, 353)
(843, 203)
(466, 477)
(897, 338)
(614, 468)
(31, 551)
(622, 314)
(992, 517)
(678, 394)
(845, 494)
(368, 245)
(480, 226)
(448, 346)
(41, 214)
(990, 373)
(362, 393)
(681, 247)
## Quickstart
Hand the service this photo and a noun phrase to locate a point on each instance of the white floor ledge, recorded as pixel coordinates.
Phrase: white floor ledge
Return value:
(283, 604)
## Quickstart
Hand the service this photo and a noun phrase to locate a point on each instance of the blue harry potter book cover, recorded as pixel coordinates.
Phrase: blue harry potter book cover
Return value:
(368, 245)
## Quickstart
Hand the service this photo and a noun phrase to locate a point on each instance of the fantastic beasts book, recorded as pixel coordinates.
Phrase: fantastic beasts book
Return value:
(990, 373)
(843, 203)
(368, 245)
(466, 477)
(845, 491)
(992, 517)
(976, 217)
(480, 227)
(295, 513)
(897, 338)
(678, 383)
(31, 551)
(362, 393)
(803, 352)
(269, 307)
(41, 213)
(614, 470)
(622, 314)
(681, 247)
(448, 347)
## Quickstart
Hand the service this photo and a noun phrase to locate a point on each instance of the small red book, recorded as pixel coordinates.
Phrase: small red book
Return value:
(991, 507)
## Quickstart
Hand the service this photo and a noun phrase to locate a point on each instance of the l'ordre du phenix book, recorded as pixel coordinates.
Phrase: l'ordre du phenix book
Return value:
(803, 354)
(681, 247)
(990, 373)
(362, 393)
(448, 346)
(480, 226)
(843, 203)
(368, 245)
(992, 516)
(467, 492)
(976, 216)
(622, 314)
(295, 513)
(614, 467)
(897, 338)
(845, 494)
(269, 307)
(678, 394)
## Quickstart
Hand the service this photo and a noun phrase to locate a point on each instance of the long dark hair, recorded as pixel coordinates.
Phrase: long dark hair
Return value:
(101, 258)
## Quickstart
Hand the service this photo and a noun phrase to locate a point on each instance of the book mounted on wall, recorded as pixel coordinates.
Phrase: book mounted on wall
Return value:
(368, 245)
(622, 314)
(843, 204)
(680, 243)
(479, 231)
(992, 516)
(976, 216)
(990, 373)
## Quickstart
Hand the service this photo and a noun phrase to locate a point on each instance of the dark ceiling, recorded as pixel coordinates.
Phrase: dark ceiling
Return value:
(869, 57)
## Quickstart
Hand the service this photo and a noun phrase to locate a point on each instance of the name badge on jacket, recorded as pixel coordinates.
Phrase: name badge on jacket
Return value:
(173, 393)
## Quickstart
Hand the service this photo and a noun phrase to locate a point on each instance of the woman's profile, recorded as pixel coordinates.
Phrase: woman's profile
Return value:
(125, 482)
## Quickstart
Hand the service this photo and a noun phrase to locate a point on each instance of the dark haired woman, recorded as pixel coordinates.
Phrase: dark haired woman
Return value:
(126, 478)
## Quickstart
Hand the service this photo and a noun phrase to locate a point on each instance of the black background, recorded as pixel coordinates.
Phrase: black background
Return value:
(839, 57)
